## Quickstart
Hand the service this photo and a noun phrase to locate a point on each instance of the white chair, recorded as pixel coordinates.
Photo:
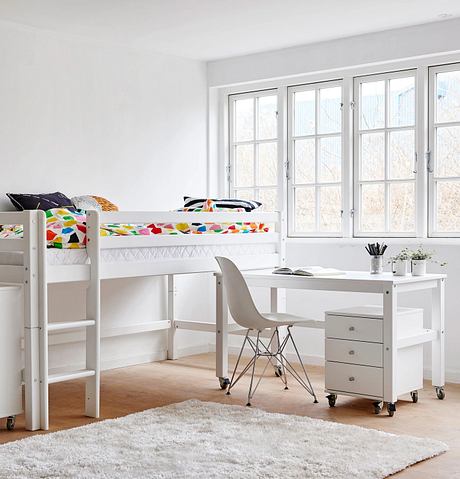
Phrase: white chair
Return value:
(245, 313)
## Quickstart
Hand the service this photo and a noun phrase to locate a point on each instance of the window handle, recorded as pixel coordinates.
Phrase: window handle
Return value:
(415, 163)
(428, 159)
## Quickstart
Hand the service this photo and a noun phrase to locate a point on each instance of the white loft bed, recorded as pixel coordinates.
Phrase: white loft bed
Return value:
(29, 262)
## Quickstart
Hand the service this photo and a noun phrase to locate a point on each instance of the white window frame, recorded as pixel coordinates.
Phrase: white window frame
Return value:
(291, 137)
(357, 183)
(230, 167)
(220, 139)
(431, 150)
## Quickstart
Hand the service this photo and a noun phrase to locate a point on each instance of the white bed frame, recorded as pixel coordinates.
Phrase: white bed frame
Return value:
(35, 274)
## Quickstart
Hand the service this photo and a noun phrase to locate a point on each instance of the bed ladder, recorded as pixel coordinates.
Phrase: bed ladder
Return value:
(91, 324)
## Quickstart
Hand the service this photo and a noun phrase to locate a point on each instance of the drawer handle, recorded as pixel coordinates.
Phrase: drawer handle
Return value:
(351, 328)
(351, 353)
(351, 378)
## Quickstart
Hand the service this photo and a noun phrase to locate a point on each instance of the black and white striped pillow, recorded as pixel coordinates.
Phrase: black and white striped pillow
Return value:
(248, 205)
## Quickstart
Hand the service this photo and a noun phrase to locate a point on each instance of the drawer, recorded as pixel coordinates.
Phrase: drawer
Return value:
(354, 352)
(355, 379)
(354, 328)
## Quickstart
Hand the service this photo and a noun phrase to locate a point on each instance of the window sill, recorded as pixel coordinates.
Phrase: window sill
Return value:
(365, 241)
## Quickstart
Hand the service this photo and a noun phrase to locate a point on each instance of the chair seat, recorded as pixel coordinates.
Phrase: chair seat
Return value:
(286, 319)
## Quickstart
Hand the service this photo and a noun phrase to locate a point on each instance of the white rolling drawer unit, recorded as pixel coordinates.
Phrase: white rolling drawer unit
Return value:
(11, 329)
(355, 358)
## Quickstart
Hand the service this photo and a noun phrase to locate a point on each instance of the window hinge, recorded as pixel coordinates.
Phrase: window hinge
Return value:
(352, 212)
(228, 169)
(287, 166)
(429, 166)
(415, 163)
(352, 105)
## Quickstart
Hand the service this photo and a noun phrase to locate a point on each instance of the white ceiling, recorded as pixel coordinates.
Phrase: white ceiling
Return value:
(213, 29)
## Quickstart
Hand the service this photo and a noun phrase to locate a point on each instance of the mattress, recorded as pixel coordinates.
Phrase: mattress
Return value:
(57, 257)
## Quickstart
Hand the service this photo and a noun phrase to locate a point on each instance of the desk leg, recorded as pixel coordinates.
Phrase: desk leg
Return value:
(437, 348)
(172, 348)
(221, 333)
(278, 305)
(390, 302)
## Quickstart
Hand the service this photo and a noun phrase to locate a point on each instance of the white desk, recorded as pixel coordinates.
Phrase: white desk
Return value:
(386, 284)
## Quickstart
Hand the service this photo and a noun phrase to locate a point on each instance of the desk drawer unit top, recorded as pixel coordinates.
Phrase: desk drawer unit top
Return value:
(354, 328)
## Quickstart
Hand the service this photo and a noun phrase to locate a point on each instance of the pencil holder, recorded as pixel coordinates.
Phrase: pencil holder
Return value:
(377, 264)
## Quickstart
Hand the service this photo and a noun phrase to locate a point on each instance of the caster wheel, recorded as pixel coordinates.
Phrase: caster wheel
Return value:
(440, 393)
(278, 371)
(224, 382)
(332, 398)
(391, 408)
(414, 396)
(378, 406)
(10, 423)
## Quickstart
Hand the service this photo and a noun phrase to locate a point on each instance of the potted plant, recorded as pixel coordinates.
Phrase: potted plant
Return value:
(400, 262)
(419, 259)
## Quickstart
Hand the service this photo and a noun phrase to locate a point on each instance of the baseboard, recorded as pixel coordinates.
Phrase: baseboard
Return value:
(452, 375)
(306, 359)
(125, 361)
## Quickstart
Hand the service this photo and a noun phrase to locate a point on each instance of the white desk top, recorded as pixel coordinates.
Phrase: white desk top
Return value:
(348, 276)
(358, 281)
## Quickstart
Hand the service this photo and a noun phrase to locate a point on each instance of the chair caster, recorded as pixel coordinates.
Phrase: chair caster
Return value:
(378, 406)
(391, 408)
(10, 423)
(414, 396)
(332, 398)
(440, 392)
(224, 382)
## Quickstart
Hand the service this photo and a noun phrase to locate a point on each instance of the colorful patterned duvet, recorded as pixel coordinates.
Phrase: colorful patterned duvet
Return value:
(67, 229)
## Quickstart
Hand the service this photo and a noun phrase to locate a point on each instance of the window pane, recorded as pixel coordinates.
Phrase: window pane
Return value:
(267, 164)
(244, 163)
(448, 151)
(304, 113)
(402, 154)
(330, 159)
(373, 208)
(373, 156)
(402, 101)
(268, 199)
(330, 217)
(305, 209)
(244, 119)
(330, 111)
(304, 164)
(448, 96)
(267, 119)
(245, 194)
(448, 206)
(372, 105)
(402, 207)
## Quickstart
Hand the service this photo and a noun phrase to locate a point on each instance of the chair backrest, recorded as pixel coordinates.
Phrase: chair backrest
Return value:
(242, 307)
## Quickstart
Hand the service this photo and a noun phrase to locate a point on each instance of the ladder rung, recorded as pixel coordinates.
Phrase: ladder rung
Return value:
(60, 377)
(84, 323)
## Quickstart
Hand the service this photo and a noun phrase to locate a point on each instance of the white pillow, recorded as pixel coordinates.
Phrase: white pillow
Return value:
(86, 202)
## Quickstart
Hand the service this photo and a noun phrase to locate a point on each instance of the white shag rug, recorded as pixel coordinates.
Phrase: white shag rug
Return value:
(197, 439)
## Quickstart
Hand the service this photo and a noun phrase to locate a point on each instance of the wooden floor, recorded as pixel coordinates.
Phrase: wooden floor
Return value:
(147, 386)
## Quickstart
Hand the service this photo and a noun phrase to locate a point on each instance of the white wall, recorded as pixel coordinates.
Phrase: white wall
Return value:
(439, 40)
(130, 125)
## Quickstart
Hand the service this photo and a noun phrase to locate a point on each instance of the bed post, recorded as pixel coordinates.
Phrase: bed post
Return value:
(93, 293)
(32, 307)
(172, 349)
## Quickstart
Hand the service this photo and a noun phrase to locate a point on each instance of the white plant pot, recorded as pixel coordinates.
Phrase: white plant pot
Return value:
(418, 267)
(400, 267)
